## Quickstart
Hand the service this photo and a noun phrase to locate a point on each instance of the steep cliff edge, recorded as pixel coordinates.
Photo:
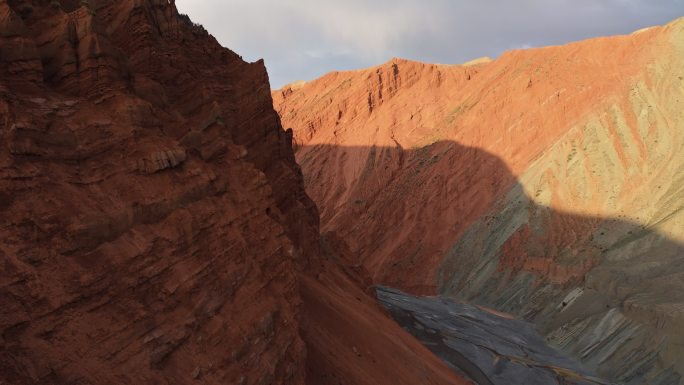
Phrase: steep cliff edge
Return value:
(546, 183)
(153, 220)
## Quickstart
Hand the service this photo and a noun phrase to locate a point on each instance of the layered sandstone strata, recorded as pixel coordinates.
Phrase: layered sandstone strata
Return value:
(153, 222)
(547, 183)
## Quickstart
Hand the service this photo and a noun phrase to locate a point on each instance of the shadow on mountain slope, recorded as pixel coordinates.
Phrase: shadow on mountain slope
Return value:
(606, 290)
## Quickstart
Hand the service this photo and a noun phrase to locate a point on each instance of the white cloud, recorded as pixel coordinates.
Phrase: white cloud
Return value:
(302, 39)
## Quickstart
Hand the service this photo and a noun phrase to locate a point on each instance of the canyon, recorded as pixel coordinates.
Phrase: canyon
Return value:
(153, 221)
(547, 184)
(167, 218)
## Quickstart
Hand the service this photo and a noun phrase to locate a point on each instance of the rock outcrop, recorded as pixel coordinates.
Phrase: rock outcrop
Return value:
(490, 348)
(153, 222)
(546, 183)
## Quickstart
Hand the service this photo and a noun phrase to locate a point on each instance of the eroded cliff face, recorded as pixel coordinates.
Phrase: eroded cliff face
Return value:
(153, 221)
(546, 183)
(135, 223)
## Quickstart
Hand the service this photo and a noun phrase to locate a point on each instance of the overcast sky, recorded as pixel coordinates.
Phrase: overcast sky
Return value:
(304, 39)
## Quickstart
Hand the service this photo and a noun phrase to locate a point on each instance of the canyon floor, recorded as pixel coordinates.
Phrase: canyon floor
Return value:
(488, 347)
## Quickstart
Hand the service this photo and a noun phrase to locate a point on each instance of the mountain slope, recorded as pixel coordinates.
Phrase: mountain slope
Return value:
(546, 183)
(153, 221)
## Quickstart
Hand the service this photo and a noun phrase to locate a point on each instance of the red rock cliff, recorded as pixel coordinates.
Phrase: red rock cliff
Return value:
(538, 183)
(154, 227)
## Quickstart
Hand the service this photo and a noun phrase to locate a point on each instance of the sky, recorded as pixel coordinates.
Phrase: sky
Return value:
(304, 39)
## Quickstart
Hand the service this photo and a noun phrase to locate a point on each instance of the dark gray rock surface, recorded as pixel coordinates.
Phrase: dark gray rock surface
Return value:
(490, 349)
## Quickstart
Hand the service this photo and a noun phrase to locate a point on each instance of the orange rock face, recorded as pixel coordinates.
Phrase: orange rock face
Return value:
(535, 184)
(348, 123)
(154, 227)
(358, 132)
